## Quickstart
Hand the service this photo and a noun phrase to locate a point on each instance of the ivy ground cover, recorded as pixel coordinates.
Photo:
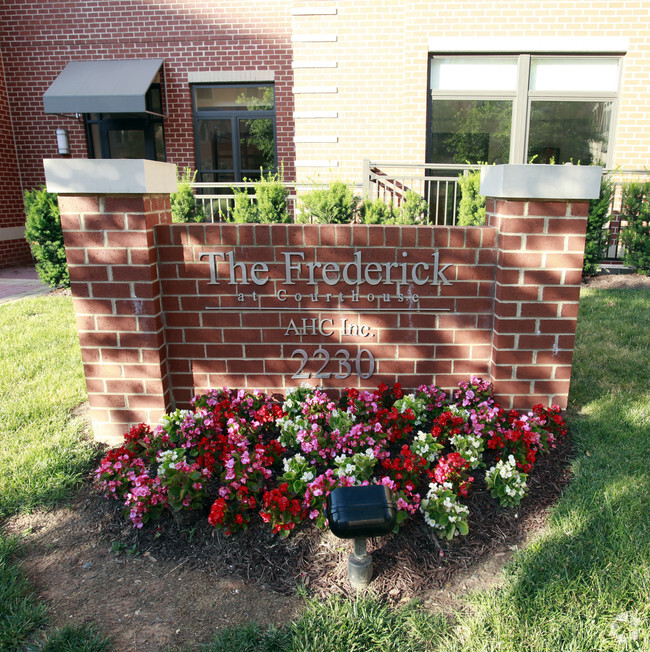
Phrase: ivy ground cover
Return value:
(236, 456)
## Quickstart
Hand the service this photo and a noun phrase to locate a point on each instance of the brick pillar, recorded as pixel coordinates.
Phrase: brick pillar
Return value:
(108, 213)
(540, 213)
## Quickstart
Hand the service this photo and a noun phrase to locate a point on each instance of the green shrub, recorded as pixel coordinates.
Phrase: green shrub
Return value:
(269, 205)
(635, 208)
(45, 236)
(375, 211)
(271, 196)
(185, 206)
(597, 236)
(413, 209)
(334, 205)
(471, 208)
(244, 208)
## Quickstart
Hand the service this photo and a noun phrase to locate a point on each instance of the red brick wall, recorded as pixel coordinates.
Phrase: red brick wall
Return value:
(39, 38)
(117, 301)
(14, 251)
(158, 323)
(444, 341)
(538, 275)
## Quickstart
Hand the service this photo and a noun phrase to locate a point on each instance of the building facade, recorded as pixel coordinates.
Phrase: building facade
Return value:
(317, 86)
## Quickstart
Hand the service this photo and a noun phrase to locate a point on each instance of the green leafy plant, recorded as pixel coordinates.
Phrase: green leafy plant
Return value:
(596, 235)
(471, 208)
(45, 236)
(269, 205)
(244, 209)
(336, 204)
(271, 194)
(413, 209)
(184, 204)
(636, 236)
(375, 211)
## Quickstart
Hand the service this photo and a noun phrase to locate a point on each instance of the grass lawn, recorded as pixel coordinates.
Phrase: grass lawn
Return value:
(41, 382)
(42, 448)
(584, 585)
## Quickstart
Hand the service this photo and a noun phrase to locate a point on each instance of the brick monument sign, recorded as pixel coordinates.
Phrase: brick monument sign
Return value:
(165, 311)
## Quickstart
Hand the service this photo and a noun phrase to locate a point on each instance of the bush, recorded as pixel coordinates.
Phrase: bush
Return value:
(244, 209)
(45, 236)
(375, 211)
(334, 205)
(471, 208)
(413, 209)
(636, 236)
(185, 206)
(270, 204)
(597, 236)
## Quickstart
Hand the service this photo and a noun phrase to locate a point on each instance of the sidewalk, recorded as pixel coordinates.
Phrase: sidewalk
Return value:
(19, 282)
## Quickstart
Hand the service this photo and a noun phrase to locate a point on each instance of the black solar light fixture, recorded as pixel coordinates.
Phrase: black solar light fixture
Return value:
(359, 513)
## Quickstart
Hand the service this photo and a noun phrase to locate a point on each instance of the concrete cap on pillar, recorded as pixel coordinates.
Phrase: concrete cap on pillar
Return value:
(109, 177)
(543, 182)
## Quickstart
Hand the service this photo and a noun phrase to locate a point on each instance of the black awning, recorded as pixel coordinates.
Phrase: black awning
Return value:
(104, 86)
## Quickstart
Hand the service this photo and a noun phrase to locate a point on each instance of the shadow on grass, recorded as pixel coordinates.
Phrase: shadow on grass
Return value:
(585, 584)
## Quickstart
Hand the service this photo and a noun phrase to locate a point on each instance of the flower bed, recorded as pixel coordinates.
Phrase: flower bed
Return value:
(245, 456)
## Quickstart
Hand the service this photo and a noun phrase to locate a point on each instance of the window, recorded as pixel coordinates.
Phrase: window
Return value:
(522, 109)
(128, 135)
(234, 131)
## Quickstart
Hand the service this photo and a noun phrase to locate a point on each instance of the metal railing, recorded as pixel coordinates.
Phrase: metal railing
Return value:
(615, 250)
(218, 199)
(436, 183)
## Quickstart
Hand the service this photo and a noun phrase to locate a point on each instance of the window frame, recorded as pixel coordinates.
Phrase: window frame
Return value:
(145, 122)
(235, 116)
(522, 97)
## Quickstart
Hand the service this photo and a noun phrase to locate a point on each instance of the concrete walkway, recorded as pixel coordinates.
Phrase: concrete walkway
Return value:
(19, 282)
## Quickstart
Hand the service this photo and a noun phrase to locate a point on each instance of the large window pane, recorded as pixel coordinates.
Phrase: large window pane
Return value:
(564, 132)
(215, 145)
(116, 135)
(127, 143)
(96, 143)
(256, 144)
(471, 131)
(235, 129)
(234, 98)
(159, 142)
(574, 74)
(474, 74)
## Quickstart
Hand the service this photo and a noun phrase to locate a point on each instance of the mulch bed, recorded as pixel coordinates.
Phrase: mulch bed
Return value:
(405, 564)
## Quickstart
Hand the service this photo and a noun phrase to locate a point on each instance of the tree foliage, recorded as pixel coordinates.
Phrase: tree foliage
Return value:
(45, 236)
(597, 236)
(471, 208)
(185, 206)
(336, 204)
(269, 205)
(635, 209)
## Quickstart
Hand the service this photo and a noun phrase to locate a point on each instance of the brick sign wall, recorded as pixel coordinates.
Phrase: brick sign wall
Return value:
(168, 310)
(272, 307)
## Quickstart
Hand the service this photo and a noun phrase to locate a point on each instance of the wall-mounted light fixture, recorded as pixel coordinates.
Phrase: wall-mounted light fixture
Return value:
(62, 141)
